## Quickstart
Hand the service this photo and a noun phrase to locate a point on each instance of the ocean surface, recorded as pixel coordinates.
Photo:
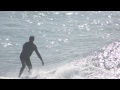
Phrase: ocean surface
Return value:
(73, 44)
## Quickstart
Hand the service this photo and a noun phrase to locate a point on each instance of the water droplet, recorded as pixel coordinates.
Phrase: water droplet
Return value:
(44, 35)
(56, 13)
(60, 40)
(70, 13)
(87, 17)
(7, 39)
(42, 14)
(51, 19)
(39, 24)
(52, 42)
(109, 16)
(63, 25)
(66, 40)
(69, 33)
(82, 15)
(108, 35)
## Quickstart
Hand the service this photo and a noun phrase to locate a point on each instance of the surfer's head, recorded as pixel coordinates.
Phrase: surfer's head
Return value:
(31, 39)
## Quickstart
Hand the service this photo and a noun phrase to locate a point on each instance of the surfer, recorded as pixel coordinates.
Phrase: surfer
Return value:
(27, 51)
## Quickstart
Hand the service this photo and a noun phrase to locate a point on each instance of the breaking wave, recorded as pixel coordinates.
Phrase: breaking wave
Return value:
(103, 64)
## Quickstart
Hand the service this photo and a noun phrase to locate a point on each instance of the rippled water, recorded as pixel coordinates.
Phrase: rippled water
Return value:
(62, 37)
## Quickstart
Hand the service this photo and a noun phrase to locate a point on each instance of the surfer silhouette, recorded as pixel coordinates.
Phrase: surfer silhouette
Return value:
(27, 51)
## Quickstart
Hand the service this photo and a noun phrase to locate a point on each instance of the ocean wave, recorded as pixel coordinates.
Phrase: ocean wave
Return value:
(101, 65)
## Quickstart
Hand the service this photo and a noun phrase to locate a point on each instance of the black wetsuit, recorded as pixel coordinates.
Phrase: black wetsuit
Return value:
(27, 51)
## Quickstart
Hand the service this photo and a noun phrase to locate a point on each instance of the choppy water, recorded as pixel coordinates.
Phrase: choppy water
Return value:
(73, 44)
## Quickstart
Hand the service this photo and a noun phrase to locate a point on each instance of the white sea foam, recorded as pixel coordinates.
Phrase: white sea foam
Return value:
(91, 67)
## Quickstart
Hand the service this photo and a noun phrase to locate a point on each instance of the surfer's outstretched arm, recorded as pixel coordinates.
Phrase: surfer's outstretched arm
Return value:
(39, 56)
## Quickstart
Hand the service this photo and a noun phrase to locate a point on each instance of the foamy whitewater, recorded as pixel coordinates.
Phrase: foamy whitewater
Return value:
(73, 44)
